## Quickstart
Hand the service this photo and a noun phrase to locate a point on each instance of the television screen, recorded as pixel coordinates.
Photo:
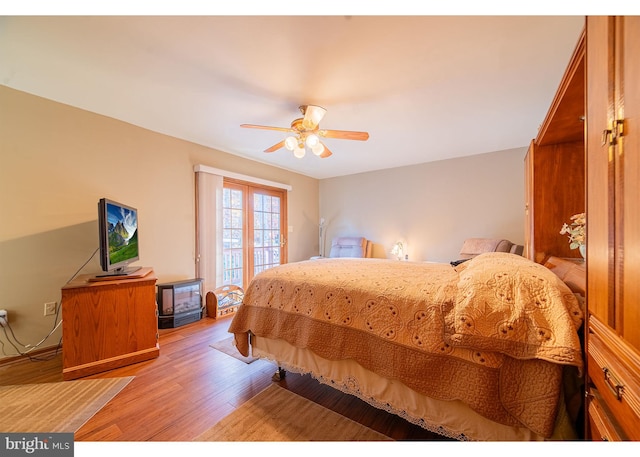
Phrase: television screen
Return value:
(118, 227)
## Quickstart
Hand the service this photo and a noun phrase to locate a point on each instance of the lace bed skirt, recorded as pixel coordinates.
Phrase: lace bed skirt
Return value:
(452, 419)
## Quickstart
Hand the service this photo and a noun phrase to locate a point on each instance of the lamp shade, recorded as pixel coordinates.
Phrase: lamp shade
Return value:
(398, 249)
(290, 143)
(318, 149)
(312, 141)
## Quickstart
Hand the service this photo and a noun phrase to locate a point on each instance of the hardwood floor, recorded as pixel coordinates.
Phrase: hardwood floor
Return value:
(191, 386)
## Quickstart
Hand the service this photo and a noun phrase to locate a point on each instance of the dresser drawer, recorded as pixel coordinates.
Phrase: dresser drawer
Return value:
(600, 426)
(616, 381)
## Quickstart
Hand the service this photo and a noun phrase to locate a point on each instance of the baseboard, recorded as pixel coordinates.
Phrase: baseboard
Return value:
(48, 351)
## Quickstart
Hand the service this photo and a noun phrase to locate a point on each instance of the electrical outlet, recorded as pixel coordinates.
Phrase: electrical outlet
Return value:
(50, 308)
(4, 317)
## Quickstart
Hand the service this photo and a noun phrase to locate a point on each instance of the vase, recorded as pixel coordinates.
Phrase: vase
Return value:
(583, 250)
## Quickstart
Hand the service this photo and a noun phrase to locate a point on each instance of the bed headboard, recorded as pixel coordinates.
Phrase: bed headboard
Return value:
(571, 271)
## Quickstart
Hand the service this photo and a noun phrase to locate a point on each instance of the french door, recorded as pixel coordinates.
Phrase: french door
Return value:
(254, 222)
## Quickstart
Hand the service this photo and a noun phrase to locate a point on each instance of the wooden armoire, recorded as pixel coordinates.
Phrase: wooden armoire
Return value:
(613, 227)
(594, 166)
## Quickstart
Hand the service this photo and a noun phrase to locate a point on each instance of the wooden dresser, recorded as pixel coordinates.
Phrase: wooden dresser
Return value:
(613, 227)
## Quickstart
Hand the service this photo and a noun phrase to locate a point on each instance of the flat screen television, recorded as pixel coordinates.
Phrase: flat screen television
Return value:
(118, 233)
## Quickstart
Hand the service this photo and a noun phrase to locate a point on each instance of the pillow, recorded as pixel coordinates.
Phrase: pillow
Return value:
(509, 304)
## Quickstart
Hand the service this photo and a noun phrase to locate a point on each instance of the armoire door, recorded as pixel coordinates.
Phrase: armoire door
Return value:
(613, 224)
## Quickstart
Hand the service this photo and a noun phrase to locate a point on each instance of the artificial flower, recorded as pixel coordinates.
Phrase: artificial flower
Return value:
(575, 230)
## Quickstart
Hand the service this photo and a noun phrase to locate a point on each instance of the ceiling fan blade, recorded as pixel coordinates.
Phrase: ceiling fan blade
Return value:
(312, 116)
(275, 147)
(326, 153)
(344, 134)
(266, 127)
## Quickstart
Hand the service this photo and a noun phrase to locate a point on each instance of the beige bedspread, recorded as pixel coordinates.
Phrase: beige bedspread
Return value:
(492, 334)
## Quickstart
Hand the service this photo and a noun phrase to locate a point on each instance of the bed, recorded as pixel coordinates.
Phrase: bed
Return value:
(485, 350)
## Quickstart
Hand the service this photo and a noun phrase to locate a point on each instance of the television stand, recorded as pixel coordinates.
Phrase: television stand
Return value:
(130, 273)
(108, 324)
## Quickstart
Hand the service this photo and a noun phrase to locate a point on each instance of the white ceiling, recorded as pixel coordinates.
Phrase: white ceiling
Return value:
(426, 88)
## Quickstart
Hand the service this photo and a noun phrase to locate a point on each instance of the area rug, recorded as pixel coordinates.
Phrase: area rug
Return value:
(58, 407)
(276, 414)
(228, 348)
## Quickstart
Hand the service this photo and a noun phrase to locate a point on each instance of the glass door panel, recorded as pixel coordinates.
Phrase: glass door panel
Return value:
(233, 236)
(267, 228)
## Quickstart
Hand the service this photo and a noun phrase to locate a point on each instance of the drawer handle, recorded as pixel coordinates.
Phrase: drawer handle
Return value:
(613, 383)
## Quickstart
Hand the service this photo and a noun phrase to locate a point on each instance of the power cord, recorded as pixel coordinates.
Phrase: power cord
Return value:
(83, 265)
(30, 348)
(56, 324)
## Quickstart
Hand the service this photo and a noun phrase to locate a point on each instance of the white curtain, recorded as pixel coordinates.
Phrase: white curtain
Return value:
(209, 189)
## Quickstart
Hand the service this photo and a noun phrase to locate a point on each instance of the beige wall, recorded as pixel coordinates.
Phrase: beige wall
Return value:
(434, 206)
(57, 161)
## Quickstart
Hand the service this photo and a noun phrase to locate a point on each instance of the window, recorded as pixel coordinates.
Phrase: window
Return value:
(254, 218)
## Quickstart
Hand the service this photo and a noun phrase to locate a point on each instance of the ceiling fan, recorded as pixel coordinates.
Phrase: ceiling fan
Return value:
(306, 133)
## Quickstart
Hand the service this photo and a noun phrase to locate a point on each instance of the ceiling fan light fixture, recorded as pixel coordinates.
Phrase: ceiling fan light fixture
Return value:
(313, 114)
(318, 149)
(312, 141)
(290, 143)
(299, 151)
